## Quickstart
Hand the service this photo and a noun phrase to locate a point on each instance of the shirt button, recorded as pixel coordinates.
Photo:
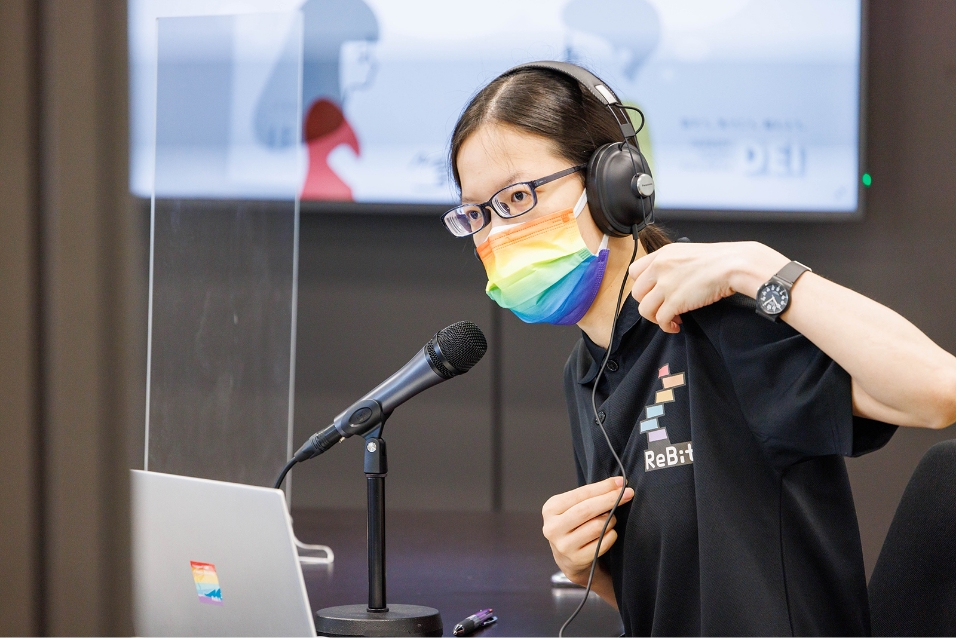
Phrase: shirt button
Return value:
(612, 365)
(602, 415)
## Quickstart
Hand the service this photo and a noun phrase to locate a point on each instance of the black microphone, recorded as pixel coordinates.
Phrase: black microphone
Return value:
(451, 352)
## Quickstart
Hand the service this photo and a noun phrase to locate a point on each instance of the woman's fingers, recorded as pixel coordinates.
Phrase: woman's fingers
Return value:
(587, 552)
(589, 531)
(643, 281)
(559, 526)
(581, 535)
(595, 506)
(666, 316)
(574, 543)
(637, 268)
(679, 278)
(656, 303)
(650, 304)
(560, 503)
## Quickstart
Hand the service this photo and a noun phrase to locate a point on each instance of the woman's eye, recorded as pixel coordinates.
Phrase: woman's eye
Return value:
(473, 215)
(519, 197)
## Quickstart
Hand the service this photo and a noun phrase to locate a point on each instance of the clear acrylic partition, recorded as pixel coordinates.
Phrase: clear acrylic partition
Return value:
(224, 247)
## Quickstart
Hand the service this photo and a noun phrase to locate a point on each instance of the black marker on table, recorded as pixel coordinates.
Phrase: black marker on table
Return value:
(476, 621)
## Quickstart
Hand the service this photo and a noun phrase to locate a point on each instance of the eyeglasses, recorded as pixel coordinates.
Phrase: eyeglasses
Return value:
(510, 201)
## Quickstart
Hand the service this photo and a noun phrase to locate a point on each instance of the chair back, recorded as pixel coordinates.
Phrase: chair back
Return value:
(913, 587)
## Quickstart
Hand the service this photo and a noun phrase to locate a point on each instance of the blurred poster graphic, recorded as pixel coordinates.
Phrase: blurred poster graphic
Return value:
(749, 104)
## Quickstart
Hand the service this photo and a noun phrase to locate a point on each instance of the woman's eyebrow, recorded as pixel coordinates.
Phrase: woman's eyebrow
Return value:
(508, 181)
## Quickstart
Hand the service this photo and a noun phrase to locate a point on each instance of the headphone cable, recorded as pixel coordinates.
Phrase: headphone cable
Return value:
(635, 229)
(600, 423)
(634, 108)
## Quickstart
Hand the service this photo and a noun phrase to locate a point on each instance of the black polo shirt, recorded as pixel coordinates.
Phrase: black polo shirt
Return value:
(733, 434)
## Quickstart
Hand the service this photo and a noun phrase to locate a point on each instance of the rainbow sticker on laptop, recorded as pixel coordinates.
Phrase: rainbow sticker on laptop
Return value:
(207, 583)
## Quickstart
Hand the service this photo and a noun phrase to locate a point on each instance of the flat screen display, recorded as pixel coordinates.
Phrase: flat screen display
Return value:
(752, 106)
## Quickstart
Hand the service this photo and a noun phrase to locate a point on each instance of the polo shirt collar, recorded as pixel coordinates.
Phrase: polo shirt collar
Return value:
(630, 317)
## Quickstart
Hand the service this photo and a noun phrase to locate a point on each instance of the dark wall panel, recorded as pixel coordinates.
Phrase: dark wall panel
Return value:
(372, 291)
(537, 460)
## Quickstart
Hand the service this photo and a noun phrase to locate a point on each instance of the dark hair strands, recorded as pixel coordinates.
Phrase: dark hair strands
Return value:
(550, 105)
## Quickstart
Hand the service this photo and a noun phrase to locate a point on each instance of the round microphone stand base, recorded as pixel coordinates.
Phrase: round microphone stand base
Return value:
(397, 620)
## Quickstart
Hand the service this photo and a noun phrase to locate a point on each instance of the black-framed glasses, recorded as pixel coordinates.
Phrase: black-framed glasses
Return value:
(510, 201)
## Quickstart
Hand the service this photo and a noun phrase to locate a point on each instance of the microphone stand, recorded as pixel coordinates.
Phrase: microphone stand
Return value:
(377, 619)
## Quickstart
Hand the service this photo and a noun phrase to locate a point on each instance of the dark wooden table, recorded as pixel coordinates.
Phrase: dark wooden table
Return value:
(457, 563)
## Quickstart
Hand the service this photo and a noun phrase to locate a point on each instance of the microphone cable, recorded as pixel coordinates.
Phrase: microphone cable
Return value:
(285, 470)
(600, 423)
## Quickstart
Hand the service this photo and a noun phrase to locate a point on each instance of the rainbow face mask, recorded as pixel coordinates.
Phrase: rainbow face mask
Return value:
(542, 270)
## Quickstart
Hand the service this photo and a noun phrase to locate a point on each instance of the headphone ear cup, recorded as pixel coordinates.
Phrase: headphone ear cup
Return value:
(614, 205)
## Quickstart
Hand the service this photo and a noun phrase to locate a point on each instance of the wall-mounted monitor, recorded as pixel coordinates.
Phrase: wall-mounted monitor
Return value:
(753, 107)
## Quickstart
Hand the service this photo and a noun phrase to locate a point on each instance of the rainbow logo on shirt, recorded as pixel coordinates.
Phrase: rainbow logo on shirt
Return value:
(660, 451)
(207, 583)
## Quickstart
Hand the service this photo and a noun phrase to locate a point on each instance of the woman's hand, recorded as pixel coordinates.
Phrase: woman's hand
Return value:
(572, 524)
(681, 277)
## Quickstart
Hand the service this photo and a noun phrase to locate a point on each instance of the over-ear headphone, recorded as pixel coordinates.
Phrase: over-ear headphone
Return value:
(619, 183)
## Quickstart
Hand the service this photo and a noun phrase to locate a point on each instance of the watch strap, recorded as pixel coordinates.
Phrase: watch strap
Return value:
(789, 273)
(786, 277)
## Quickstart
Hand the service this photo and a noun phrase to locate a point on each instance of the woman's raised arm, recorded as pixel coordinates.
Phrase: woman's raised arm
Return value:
(899, 375)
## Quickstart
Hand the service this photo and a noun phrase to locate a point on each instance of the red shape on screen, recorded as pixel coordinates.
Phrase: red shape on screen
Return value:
(325, 129)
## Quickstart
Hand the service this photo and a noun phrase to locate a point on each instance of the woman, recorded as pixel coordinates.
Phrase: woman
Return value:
(731, 428)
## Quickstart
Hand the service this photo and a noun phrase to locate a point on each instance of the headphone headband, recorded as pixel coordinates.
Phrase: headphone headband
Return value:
(595, 85)
(620, 189)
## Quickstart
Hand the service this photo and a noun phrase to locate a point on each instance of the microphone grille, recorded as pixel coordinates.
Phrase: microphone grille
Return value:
(463, 344)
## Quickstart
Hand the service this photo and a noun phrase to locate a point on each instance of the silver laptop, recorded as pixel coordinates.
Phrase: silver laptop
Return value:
(214, 559)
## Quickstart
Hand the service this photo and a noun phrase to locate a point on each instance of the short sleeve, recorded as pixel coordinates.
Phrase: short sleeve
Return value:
(869, 435)
(796, 399)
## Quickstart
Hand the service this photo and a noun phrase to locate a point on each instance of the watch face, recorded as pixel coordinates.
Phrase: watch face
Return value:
(773, 298)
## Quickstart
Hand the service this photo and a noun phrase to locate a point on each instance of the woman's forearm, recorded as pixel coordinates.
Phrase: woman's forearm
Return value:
(900, 376)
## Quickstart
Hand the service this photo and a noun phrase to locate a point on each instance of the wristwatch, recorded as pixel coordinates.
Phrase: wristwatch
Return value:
(773, 297)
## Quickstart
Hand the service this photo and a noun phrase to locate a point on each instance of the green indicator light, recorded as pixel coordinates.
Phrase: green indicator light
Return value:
(867, 180)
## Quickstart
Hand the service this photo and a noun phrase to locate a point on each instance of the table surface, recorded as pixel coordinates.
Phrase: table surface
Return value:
(457, 563)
